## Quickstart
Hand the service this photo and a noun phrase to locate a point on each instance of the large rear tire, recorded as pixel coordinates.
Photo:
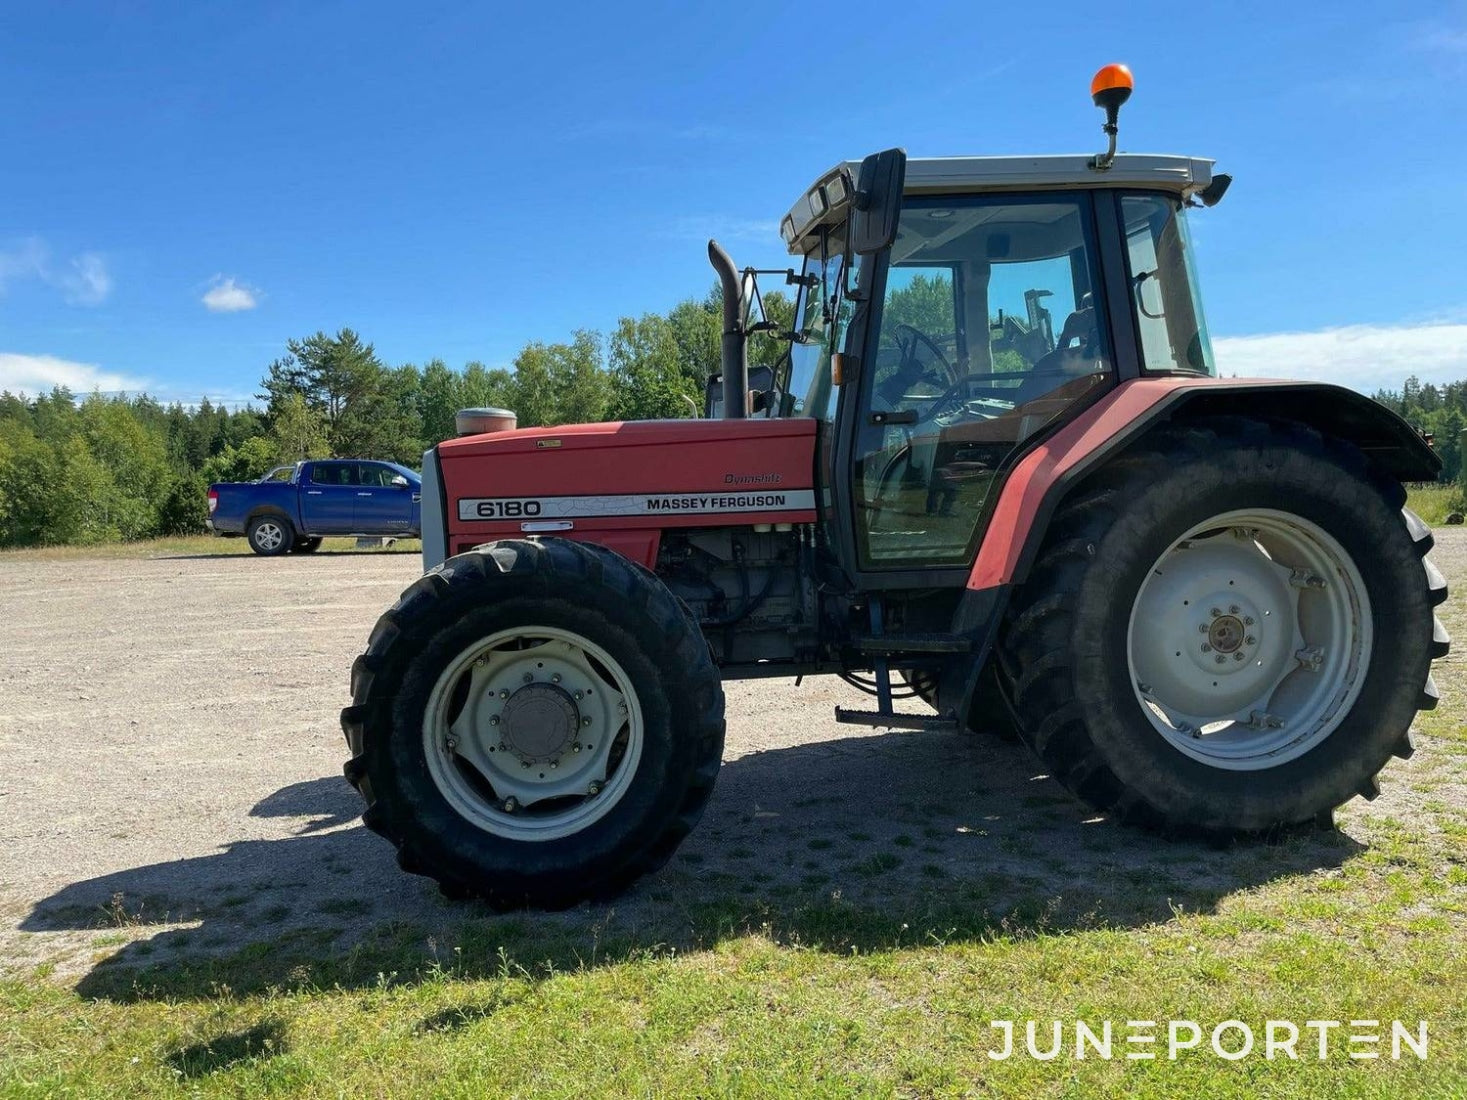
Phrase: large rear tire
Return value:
(535, 724)
(1228, 630)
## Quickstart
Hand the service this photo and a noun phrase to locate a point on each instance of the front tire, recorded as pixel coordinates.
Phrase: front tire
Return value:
(535, 723)
(1229, 630)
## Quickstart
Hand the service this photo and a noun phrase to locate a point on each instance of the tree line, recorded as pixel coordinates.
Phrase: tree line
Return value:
(102, 468)
(98, 468)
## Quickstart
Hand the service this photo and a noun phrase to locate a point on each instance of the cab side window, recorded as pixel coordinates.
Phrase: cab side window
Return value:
(989, 332)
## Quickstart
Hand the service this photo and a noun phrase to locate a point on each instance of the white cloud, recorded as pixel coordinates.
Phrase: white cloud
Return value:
(26, 261)
(226, 295)
(1363, 357)
(84, 281)
(87, 283)
(34, 374)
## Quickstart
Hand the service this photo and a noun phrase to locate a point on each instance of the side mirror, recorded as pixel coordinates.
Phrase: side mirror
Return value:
(761, 384)
(748, 296)
(878, 201)
(399, 482)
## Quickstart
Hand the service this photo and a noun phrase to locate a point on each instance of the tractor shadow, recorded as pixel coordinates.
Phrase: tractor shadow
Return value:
(865, 843)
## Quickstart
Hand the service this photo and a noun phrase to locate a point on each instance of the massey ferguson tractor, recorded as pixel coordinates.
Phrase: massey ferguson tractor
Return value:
(995, 469)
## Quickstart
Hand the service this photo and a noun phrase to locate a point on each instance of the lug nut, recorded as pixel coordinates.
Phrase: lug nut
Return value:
(525, 765)
(555, 763)
(451, 743)
(1219, 658)
(481, 662)
(1202, 628)
(1216, 611)
(494, 719)
(511, 805)
(504, 693)
(586, 721)
(1247, 620)
(578, 696)
(529, 678)
(1206, 648)
(555, 678)
(1237, 656)
(594, 789)
(1234, 609)
(576, 747)
(1250, 640)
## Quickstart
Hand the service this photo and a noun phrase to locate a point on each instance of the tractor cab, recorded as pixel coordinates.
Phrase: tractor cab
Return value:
(952, 309)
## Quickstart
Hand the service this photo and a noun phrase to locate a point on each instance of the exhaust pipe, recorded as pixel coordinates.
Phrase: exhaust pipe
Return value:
(735, 351)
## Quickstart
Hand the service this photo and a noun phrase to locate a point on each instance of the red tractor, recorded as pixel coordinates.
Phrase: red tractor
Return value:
(996, 469)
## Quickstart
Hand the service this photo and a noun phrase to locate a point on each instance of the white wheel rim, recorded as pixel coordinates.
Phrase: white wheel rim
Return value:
(1249, 639)
(269, 536)
(533, 733)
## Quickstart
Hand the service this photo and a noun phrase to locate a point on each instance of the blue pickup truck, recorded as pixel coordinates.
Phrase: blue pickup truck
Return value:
(292, 508)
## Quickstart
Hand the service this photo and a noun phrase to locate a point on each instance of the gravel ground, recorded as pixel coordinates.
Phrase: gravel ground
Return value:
(172, 783)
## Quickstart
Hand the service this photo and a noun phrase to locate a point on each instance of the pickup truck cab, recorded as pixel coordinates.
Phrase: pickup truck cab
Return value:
(291, 509)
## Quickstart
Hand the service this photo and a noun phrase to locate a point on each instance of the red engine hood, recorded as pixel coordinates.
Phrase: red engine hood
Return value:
(590, 481)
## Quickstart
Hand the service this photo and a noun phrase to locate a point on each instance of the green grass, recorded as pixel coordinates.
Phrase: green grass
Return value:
(192, 545)
(1433, 503)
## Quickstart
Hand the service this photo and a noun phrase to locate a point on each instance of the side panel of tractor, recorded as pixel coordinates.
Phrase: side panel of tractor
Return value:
(621, 485)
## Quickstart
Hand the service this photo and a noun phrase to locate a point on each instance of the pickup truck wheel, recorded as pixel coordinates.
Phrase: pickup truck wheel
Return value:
(270, 536)
(535, 723)
(306, 546)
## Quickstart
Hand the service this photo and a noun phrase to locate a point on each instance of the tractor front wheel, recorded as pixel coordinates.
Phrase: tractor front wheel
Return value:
(535, 723)
(1229, 630)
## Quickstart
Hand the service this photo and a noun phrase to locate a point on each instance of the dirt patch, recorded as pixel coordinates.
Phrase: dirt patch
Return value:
(172, 787)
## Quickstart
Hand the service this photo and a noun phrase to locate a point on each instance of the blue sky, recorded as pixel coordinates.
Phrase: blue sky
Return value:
(185, 187)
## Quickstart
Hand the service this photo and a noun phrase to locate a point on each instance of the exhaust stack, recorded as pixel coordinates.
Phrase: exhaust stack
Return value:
(735, 358)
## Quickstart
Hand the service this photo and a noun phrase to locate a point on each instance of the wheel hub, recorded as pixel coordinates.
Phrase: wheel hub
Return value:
(1225, 633)
(533, 733)
(539, 723)
(1248, 638)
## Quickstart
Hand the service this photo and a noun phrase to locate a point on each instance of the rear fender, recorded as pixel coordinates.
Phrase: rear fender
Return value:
(1106, 429)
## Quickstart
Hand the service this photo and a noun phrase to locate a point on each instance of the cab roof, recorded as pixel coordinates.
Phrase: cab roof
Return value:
(971, 175)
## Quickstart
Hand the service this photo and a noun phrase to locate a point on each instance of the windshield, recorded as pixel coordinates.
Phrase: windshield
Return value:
(820, 323)
(1164, 292)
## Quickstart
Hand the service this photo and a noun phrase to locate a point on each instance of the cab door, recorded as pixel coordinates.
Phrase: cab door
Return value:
(986, 328)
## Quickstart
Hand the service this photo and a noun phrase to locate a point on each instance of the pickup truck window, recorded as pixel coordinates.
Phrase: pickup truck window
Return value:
(334, 473)
(379, 477)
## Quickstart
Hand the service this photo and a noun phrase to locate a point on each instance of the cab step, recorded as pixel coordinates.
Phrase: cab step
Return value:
(893, 644)
(895, 721)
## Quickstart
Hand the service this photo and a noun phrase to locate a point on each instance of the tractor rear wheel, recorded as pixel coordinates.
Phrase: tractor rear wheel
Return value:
(1229, 630)
(535, 723)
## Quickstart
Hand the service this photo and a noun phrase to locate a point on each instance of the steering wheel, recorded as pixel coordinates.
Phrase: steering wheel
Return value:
(909, 349)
